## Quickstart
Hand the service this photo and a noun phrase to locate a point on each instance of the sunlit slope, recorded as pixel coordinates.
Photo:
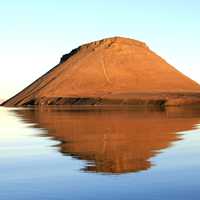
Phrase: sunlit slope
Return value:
(111, 68)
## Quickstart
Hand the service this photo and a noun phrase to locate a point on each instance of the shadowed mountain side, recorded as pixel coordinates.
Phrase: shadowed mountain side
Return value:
(112, 141)
(110, 71)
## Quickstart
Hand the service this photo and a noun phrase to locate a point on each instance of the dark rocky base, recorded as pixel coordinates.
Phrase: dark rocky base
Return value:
(139, 99)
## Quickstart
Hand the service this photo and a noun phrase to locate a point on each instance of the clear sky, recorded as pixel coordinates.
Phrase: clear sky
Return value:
(34, 34)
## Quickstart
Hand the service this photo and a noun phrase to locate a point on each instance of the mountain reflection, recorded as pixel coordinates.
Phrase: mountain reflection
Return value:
(113, 141)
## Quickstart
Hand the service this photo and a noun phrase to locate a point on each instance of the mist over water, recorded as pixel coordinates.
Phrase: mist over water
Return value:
(91, 153)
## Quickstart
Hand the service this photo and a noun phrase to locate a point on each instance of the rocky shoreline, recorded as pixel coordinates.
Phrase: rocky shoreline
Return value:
(140, 99)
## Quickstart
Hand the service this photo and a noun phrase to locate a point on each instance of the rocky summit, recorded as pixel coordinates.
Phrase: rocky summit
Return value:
(116, 70)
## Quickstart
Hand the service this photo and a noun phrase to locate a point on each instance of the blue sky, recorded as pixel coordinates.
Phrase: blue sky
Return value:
(34, 34)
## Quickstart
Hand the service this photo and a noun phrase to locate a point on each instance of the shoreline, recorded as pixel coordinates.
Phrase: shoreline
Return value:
(160, 99)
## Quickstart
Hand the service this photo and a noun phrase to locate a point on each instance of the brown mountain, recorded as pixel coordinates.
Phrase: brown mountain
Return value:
(110, 71)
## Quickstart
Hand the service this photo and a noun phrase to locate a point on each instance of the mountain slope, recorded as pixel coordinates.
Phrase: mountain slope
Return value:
(113, 70)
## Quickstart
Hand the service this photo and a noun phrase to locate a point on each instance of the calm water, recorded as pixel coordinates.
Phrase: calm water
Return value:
(54, 154)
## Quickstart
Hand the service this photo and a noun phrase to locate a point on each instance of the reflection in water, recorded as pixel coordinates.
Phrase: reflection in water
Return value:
(113, 141)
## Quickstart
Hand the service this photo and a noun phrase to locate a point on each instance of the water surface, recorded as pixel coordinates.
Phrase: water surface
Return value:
(84, 153)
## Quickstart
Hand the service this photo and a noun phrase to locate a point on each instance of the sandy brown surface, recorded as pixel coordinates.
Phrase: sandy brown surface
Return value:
(107, 69)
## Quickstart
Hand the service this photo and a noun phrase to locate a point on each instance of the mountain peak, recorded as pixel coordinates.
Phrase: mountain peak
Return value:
(116, 43)
(117, 40)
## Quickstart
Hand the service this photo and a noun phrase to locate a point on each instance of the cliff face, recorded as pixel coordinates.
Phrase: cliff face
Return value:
(114, 70)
